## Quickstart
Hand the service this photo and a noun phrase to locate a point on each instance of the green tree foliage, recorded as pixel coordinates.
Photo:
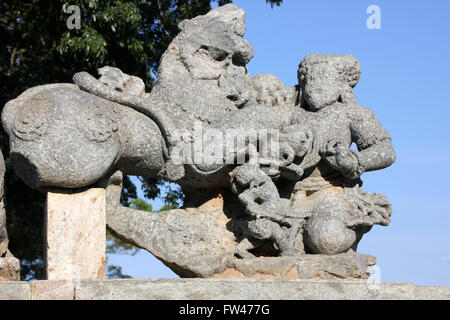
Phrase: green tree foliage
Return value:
(274, 2)
(115, 272)
(38, 48)
(141, 204)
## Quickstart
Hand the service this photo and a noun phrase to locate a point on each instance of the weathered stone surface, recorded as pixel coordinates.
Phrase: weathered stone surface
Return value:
(3, 232)
(9, 268)
(192, 242)
(264, 267)
(270, 91)
(432, 293)
(75, 234)
(218, 289)
(312, 202)
(78, 139)
(348, 266)
(200, 242)
(15, 290)
(53, 290)
(249, 289)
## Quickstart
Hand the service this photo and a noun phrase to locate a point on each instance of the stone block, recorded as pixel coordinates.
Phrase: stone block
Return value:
(218, 289)
(75, 235)
(240, 289)
(53, 290)
(15, 290)
(432, 293)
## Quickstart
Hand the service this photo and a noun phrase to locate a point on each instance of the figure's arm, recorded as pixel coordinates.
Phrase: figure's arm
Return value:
(247, 198)
(90, 84)
(375, 150)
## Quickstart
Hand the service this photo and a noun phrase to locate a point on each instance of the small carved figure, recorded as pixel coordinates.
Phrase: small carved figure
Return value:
(329, 105)
(296, 141)
(270, 91)
(267, 220)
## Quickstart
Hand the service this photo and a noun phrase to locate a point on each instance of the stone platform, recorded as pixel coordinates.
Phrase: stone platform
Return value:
(218, 289)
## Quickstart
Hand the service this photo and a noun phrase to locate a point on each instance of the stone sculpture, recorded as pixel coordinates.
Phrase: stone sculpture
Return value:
(9, 266)
(298, 212)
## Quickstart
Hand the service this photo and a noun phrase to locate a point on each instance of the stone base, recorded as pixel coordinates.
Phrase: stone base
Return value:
(218, 289)
(350, 265)
(75, 234)
(197, 243)
(9, 269)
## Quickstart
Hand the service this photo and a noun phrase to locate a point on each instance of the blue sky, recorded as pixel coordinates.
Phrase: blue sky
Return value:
(405, 81)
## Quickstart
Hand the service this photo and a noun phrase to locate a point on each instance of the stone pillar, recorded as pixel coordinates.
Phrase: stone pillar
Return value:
(9, 268)
(75, 227)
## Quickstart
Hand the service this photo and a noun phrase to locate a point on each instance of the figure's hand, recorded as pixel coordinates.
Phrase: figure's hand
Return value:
(287, 154)
(294, 172)
(270, 167)
(346, 159)
(270, 215)
(253, 210)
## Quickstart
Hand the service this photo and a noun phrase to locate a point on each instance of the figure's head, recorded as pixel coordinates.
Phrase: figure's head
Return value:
(203, 75)
(249, 175)
(270, 91)
(299, 138)
(213, 48)
(296, 141)
(326, 79)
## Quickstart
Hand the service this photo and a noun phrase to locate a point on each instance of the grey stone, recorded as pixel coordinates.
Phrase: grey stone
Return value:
(303, 201)
(270, 91)
(15, 290)
(349, 265)
(9, 265)
(193, 242)
(53, 290)
(249, 289)
(9, 268)
(432, 293)
(75, 235)
(219, 289)
(61, 136)
(3, 232)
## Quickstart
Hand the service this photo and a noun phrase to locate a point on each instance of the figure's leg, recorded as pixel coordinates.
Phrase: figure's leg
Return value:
(190, 243)
(295, 239)
(243, 247)
(267, 229)
(326, 230)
